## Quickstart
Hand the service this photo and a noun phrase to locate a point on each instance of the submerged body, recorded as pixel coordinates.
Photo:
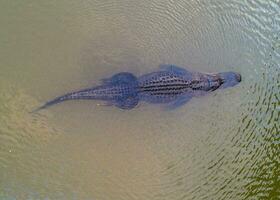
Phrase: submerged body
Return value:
(171, 85)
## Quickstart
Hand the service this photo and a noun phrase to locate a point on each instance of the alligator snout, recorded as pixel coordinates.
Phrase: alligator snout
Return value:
(238, 77)
(230, 79)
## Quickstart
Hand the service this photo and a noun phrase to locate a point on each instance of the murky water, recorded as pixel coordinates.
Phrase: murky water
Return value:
(222, 146)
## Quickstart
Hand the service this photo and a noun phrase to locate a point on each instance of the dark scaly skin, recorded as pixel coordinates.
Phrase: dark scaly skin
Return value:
(173, 84)
(109, 93)
(166, 86)
(105, 93)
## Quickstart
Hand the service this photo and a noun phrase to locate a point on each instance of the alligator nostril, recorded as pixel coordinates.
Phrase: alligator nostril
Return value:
(238, 77)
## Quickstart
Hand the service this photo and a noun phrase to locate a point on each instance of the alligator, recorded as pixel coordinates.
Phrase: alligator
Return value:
(171, 85)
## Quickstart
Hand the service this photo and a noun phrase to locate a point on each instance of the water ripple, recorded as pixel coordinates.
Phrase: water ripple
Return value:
(247, 166)
(222, 146)
(19, 131)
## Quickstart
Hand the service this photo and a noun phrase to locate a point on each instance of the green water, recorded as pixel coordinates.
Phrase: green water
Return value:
(225, 145)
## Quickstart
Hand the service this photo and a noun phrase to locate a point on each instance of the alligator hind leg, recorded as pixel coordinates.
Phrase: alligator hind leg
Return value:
(127, 103)
(120, 78)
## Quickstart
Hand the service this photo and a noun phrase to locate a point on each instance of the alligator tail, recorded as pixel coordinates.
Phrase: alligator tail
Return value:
(55, 101)
(83, 94)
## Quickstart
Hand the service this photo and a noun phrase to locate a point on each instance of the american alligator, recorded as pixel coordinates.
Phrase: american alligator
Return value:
(171, 85)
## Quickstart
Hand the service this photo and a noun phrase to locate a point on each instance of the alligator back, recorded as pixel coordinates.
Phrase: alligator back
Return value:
(166, 85)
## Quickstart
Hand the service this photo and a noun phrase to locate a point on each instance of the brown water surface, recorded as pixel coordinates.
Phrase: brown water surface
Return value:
(222, 146)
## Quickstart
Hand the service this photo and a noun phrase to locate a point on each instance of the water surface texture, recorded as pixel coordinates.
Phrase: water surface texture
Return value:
(222, 146)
